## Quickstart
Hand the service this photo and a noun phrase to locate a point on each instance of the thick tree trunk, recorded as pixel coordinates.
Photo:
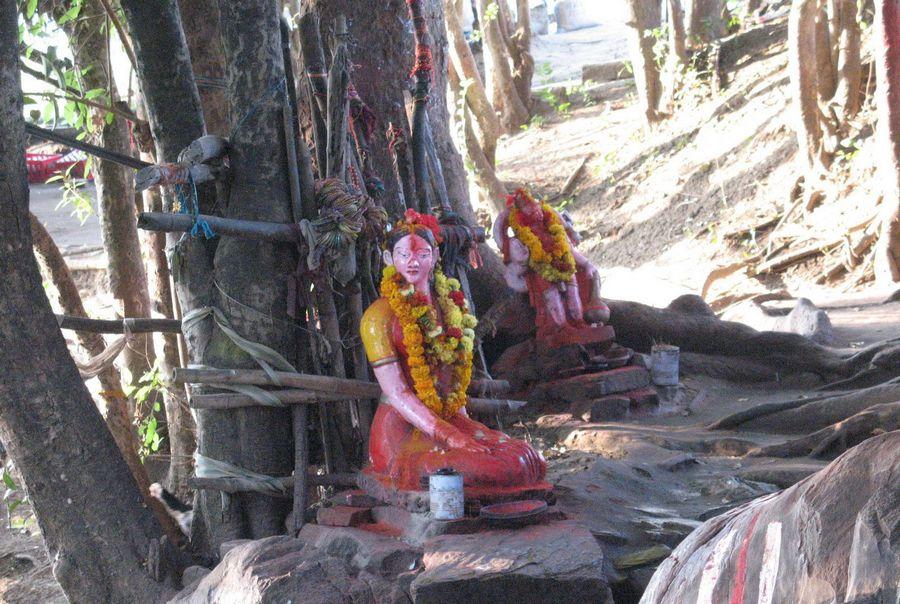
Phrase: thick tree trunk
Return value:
(251, 276)
(498, 69)
(520, 49)
(704, 21)
(849, 64)
(641, 16)
(804, 84)
(887, 60)
(114, 406)
(677, 59)
(48, 422)
(173, 110)
(115, 193)
(202, 30)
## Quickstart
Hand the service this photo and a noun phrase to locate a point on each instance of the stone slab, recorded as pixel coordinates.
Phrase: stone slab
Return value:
(558, 562)
(364, 550)
(605, 72)
(417, 528)
(343, 515)
(595, 385)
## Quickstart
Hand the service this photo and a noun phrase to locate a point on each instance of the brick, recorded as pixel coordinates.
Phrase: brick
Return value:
(343, 515)
(609, 408)
(644, 397)
(596, 385)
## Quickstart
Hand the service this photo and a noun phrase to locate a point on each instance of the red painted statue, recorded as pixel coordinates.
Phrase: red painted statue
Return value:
(563, 286)
(419, 338)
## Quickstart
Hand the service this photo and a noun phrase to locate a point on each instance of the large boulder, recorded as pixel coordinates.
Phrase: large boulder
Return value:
(577, 14)
(559, 562)
(540, 20)
(346, 568)
(834, 537)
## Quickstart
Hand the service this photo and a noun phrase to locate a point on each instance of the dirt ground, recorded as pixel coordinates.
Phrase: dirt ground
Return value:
(653, 207)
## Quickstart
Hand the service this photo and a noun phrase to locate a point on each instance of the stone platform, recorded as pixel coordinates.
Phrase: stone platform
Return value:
(401, 557)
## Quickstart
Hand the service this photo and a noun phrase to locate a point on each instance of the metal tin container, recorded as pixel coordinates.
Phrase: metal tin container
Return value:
(445, 492)
(664, 365)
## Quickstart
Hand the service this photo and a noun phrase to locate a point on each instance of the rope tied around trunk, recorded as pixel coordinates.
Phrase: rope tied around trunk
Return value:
(189, 203)
(99, 363)
(207, 467)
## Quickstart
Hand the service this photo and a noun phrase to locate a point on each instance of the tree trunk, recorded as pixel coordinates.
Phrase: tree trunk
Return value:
(173, 110)
(887, 60)
(486, 125)
(498, 69)
(849, 64)
(804, 84)
(520, 48)
(251, 276)
(202, 30)
(641, 16)
(704, 21)
(677, 59)
(826, 68)
(115, 193)
(48, 422)
(114, 407)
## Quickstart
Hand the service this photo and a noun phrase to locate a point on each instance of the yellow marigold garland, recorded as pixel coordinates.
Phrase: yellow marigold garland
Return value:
(428, 344)
(557, 264)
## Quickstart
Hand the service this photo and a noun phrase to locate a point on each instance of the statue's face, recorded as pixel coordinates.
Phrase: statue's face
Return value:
(413, 258)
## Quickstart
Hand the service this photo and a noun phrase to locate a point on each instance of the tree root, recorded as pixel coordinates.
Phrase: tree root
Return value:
(840, 436)
(805, 415)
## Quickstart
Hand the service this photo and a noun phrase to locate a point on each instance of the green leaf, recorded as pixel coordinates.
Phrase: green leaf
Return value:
(30, 8)
(94, 93)
(27, 100)
(70, 14)
(8, 480)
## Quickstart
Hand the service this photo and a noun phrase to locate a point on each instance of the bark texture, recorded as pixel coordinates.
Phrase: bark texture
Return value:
(498, 69)
(251, 276)
(202, 30)
(48, 422)
(887, 44)
(115, 192)
(704, 21)
(802, 67)
(849, 64)
(641, 16)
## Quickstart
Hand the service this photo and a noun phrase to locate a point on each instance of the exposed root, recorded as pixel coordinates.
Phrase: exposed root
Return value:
(807, 415)
(838, 437)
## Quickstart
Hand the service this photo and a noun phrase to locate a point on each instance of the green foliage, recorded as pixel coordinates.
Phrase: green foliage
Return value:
(536, 121)
(147, 396)
(660, 37)
(13, 497)
(848, 149)
(73, 191)
(544, 72)
(491, 12)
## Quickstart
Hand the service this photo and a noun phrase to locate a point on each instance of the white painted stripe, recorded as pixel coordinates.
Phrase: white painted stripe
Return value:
(713, 568)
(768, 572)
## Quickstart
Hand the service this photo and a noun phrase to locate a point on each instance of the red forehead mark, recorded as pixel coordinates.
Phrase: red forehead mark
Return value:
(417, 243)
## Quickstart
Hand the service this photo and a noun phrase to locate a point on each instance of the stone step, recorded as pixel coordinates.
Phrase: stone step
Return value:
(595, 385)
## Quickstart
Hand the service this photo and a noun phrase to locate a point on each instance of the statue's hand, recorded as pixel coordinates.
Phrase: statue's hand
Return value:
(453, 438)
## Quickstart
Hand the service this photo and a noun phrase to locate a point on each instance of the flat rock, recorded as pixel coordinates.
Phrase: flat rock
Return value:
(417, 528)
(364, 550)
(559, 562)
(605, 72)
(603, 409)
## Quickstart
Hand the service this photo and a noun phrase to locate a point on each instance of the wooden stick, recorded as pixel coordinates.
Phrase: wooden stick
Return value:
(338, 106)
(569, 186)
(229, 485)
(791, 258)
(118, 325)
(344, 387)
(233, 400)
(113, 156)
(248, 229)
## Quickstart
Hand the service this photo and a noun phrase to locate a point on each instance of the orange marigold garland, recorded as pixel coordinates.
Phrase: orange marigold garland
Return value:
(555, 263)
(428, 343)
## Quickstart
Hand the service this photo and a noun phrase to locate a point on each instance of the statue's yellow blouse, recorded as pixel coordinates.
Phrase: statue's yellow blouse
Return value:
(376, 330)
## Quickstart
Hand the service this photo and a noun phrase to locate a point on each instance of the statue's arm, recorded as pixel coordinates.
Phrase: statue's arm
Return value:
(400, 396)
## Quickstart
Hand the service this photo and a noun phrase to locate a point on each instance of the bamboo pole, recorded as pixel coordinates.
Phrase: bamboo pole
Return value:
(344, 387)
(118, 325)
(232, 486)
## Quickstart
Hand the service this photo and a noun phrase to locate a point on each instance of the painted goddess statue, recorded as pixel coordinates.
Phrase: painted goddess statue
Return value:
(563, 286)
(419, 338)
